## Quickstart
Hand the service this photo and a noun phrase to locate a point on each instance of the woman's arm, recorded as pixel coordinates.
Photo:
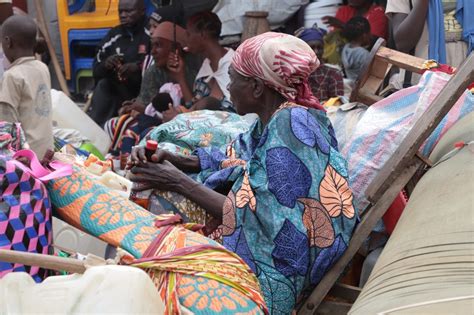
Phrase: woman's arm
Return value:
(177, 70)
(407, 28)
(166, 176)
(210, 200)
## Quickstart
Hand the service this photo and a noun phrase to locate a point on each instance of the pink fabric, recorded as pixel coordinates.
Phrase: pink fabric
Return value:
(174, 90)
(38, 170)
(283, 62)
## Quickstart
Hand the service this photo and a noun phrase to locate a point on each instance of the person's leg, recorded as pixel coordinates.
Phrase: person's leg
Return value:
(103, 102)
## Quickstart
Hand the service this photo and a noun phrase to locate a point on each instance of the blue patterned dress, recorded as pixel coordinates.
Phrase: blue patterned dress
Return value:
(289, 213)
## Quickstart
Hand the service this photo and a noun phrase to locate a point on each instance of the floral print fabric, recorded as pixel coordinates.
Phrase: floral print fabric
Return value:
(289, 213)
(204, 128)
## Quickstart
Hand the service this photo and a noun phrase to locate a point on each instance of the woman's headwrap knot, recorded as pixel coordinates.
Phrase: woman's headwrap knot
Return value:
(283, 62)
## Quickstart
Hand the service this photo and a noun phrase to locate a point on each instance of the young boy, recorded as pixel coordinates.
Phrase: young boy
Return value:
(25, 91)
(326, 81)
(354, 54)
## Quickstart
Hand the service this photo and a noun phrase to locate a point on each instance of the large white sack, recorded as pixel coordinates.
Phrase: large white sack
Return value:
(100, 290)
(66, 114)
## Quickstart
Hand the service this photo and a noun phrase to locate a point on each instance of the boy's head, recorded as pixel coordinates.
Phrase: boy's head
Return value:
(161, 102)
(357, 31)
(18, 37)
(314, 37)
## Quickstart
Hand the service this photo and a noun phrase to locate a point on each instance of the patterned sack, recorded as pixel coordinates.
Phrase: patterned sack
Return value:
(204, 128)
(12, 138)
(25, 210)
(386, 123)
(190, 271)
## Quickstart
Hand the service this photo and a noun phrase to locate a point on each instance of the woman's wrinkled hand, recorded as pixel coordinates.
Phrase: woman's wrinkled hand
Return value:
(162, 176)
(138, 157)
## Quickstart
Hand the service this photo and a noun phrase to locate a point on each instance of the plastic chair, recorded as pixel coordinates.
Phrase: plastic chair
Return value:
(90, 38)
(76, 6)
(105, 16)
(82, 74)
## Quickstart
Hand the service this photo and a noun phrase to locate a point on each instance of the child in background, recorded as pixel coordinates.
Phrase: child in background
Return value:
(326, 81)
(355, 54)
(25, 93)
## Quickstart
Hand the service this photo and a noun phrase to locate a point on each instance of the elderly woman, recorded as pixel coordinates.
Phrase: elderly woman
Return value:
(280, 189)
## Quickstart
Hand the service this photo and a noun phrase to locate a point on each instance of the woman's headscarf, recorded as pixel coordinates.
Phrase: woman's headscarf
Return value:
(311, 34)
(283, 62)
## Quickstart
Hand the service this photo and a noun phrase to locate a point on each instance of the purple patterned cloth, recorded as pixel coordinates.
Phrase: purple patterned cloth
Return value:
(289, 213)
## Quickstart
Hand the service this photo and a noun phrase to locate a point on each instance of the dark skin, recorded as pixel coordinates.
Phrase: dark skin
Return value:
(161, 49)
(130, 13)
(361, 6)
(165, 171)
(407, 28)
(318, 47)
(205, 45)
(18, 37)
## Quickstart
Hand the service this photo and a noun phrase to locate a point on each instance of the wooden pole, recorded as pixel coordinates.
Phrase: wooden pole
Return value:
(54, 59)
(44, 261)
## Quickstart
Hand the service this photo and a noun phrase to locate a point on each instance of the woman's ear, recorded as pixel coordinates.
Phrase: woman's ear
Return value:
(258, 88)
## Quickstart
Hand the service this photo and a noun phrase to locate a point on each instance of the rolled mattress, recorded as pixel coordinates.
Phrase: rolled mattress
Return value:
(427, 266)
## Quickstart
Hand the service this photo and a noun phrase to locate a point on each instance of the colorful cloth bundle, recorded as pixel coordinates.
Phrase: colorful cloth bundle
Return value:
(203, 289)
(25, 210)
(193, 130)
(12, 138)
(386, 123)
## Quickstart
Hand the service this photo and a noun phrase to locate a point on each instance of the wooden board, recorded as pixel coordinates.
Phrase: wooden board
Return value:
(423, 128)
(360, 235)
(394, 176)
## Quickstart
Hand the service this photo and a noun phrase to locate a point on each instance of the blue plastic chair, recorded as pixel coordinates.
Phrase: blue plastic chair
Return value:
(89, 38)
(76, 6)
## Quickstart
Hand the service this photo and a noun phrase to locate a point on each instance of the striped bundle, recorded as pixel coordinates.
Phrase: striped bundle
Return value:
(385, 124)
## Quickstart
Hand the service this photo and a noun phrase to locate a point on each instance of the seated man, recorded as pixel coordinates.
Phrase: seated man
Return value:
(25, 91)
(117, 67)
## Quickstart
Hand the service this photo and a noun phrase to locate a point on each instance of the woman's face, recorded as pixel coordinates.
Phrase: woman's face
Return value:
(240, 92)
(318, 47)
(160, 50)
(194, 40)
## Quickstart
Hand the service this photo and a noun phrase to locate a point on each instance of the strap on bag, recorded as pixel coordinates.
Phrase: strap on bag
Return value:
(38, 170)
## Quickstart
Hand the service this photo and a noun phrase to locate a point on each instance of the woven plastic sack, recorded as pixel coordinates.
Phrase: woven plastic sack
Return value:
(385, 125)
(25, 210)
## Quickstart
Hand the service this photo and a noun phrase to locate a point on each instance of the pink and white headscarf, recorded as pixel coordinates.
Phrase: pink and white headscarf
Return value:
(283, 62)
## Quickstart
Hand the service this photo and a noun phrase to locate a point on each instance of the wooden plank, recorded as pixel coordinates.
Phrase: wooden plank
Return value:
(360, 235)
(333, 308)
(368, 98)
(366, 70)
(43, 261)
(423, 128)
(43, 27)
(399, 59)
(346, 292)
